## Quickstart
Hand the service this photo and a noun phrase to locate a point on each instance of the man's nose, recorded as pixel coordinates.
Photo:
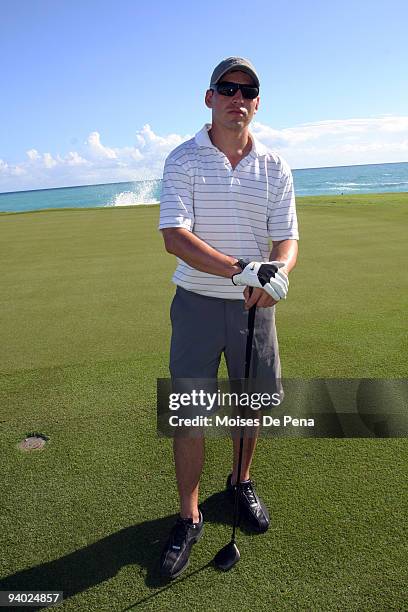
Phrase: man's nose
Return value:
(238, 97)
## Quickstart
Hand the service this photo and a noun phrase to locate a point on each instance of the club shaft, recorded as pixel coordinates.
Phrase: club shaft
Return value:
(248, 355)
(248, 351)
(238, 484)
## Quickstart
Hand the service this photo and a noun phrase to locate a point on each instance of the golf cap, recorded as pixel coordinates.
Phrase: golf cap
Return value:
(233, 63)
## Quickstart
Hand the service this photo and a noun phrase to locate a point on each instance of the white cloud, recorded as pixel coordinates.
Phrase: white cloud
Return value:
(49, 162)
(394, 124)
(95, 162)
(339, 142)
(96, 149)
(74, 159)
(33, 154)
(17, 171)
(323, 143)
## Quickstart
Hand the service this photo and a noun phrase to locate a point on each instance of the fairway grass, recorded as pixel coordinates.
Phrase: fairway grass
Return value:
(85, 332)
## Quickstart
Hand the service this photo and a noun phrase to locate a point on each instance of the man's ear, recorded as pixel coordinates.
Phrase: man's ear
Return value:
(257, 104)
(208, 98)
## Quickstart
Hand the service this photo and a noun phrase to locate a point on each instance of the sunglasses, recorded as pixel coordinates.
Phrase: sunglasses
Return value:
(225, 88)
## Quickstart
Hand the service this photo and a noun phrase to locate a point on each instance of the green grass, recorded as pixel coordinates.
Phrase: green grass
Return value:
(82, 340)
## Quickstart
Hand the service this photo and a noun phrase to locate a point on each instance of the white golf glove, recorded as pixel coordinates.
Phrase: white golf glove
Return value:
(265, 275)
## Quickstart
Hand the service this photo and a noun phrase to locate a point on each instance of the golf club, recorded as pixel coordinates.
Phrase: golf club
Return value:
(229, 555)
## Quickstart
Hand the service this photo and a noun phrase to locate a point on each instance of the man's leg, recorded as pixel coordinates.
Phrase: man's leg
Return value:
(265, 366)
(198, 339)
(264, 372)
(189, 461)
(248, 453)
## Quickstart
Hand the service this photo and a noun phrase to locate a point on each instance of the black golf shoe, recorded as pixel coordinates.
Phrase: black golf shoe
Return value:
(250, 504)
(176, 553)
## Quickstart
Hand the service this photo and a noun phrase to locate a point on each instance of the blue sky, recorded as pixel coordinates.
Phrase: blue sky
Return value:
(81, 80)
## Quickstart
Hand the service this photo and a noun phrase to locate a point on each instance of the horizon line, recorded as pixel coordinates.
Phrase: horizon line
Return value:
(159, 179)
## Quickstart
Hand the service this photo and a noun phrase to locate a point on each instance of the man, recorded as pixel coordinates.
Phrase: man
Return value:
(224, 196)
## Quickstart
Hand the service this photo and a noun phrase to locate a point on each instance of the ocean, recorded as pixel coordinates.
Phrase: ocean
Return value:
(341, 180)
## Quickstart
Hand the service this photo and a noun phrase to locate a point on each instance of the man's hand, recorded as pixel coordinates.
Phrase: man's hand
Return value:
(266, 276)
(258, 297)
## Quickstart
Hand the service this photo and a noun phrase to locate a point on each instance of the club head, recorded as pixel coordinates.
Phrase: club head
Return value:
(227, 557)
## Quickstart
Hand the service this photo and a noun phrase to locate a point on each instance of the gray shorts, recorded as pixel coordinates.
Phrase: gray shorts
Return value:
(205, 327)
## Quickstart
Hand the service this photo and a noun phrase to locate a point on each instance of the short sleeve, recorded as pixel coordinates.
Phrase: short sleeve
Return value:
(176, 201)
(282, 218)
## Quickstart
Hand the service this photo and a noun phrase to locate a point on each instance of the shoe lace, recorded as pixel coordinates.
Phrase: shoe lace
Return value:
(179, 532)
(248, 490)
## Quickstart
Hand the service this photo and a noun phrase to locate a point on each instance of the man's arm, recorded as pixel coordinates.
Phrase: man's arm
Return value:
(287, 251)
(197, 253)
(282, 250)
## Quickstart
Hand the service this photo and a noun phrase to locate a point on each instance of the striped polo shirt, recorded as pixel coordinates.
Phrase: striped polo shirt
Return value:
(236, 211)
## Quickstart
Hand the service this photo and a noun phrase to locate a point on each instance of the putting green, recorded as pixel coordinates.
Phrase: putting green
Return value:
(84, 335)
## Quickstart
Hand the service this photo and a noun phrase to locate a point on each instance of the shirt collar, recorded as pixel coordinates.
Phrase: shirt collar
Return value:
(202, 139)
